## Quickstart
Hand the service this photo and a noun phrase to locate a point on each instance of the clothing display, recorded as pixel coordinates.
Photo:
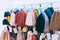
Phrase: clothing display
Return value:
(55, 21)
(6, 14)
(8, 18)
(5, 22)
(29, 35)
(24, 35)
(49, 11)
(31, 23)
(36, 13)
(19, 36)
(12, 19)
(12, 32)
(11, 36)
(40, 23)
(30, 28)
(24, 29)
(46, 29)
(29, 19)
(16, 11)
(20, 19)
(5, 35)
(33, 37)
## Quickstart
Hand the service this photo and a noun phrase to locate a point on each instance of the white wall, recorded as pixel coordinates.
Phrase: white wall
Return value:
(4, 5)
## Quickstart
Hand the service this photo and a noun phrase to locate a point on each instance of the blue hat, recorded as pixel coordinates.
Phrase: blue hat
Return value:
(6, 14)
(5, 22)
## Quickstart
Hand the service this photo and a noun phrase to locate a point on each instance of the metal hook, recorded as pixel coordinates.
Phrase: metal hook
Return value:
(40, 4)
(23, 6)
(32, 6)
(51, 4)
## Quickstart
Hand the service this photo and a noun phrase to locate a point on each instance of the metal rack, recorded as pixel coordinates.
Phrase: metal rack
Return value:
(51, 4)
